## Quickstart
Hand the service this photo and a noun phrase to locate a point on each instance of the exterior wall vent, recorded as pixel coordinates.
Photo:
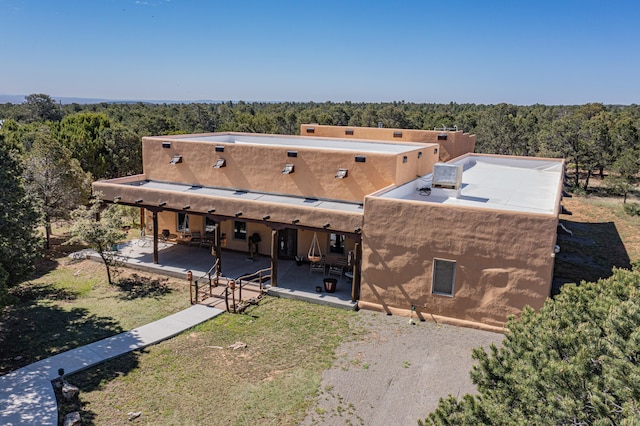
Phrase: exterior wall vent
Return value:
(361, 158)
(397, 134)
(442, 136)
(448, 176)
(219, 148)
(292, 153)
(166, 144)
(348, 132)
(311, 129)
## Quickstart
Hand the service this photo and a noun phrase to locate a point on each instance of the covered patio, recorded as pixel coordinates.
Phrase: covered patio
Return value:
(294, 281)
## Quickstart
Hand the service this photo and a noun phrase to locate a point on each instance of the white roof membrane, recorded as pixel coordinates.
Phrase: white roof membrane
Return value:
(501, 183)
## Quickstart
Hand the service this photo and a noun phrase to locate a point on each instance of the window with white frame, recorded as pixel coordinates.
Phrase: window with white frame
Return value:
(444, 274)
(336, 243)
(240, 230)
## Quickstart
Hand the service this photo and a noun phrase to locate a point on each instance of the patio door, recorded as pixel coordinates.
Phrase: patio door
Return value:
(288, 243)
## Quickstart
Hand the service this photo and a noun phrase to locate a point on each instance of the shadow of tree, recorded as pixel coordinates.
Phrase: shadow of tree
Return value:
(589, 253)
(95, 378)
(137, 286)
(38, 329)
(53, 255)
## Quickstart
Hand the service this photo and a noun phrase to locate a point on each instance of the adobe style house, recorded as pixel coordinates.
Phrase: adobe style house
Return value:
(466, 242)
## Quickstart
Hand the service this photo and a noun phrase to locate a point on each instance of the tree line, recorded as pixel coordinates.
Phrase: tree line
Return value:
(576, 361)
(60, 149)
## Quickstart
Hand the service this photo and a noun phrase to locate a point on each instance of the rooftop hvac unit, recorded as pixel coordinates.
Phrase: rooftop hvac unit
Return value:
(447, 176)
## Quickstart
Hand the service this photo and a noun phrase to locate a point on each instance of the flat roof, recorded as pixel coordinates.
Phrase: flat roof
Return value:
(493, 182)
(306, 142)
(249, 195)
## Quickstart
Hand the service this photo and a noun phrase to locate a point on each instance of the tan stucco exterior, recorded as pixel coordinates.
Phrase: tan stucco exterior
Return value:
(453, 143)
(503, 258)
(258, 167)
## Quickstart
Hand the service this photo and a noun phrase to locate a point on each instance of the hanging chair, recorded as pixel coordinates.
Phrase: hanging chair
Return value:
(314, 251)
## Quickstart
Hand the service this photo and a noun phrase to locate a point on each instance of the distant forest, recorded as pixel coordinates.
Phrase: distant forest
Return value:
(596, 140)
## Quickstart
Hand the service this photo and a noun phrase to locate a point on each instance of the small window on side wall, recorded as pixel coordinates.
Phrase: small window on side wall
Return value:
(444, 274)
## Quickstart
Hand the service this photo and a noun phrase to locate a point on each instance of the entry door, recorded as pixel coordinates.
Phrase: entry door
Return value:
(288, 243)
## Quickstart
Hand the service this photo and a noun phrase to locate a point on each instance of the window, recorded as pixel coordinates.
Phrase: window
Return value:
(183, 222)
(336, 243)
(444, 273)
(240, 230)
(209, 225)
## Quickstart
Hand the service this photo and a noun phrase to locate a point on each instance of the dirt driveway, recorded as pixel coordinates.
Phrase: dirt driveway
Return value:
(397, 373)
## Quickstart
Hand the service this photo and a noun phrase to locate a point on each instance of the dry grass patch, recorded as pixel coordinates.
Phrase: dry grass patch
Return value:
(197, 378)
(604, 236)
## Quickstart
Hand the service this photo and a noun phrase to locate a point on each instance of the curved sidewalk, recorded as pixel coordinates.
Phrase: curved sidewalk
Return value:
(27, 396)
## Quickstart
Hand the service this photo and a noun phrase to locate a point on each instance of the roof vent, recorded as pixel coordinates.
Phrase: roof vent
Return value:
(448, 176)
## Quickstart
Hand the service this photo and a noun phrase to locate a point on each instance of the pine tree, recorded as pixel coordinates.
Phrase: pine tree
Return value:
(577, 361)
(20, 244)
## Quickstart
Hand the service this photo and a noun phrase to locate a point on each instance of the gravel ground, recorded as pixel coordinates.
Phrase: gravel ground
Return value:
(397, 373)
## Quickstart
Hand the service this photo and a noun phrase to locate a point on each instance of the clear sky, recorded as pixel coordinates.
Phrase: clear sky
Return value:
(483, 51)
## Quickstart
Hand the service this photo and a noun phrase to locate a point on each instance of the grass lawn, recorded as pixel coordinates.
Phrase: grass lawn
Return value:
(604, 236)
(69, 304)
(197, 378)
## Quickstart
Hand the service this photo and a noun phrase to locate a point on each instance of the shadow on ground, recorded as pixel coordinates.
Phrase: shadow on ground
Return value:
(95, 378)
(588, 252)
(137, 287)
(36, 329)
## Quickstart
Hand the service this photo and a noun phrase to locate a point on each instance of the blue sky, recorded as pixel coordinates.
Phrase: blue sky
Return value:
(485, 52)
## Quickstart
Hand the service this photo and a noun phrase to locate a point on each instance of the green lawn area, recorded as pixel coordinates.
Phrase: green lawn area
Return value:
(197, 378)
(69, 304)
(193, 378)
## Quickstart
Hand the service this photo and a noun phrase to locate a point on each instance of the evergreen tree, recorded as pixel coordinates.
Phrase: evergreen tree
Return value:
(55, 179)
(20, 244)
(577, 361)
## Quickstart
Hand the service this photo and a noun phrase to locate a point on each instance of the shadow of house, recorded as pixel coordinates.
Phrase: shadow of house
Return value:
(588, 253)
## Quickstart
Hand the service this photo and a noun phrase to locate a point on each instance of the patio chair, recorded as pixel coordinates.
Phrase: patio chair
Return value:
(338, 267)
(318, 266)
(196, 238)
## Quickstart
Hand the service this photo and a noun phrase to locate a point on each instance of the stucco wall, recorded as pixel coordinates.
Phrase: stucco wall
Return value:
(503, 260)
(259, 167)
(456, 144)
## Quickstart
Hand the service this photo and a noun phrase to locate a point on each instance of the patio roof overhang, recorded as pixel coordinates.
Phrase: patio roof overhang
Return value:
(276, 210)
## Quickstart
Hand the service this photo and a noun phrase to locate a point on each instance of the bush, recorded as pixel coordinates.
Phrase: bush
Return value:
(632, 209)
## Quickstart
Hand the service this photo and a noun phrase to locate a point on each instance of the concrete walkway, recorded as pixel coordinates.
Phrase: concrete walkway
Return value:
(27, 396)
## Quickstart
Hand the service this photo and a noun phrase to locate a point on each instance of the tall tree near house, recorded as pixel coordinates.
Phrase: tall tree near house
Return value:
(100, 229)
(55, 179)
(575, 362)
(20, 244)
(82, 134)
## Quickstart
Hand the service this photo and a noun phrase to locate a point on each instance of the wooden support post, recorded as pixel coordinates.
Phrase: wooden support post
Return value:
(141, 218)
(355, 285)
(274, 257)
(217, 244)
(155, 237)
